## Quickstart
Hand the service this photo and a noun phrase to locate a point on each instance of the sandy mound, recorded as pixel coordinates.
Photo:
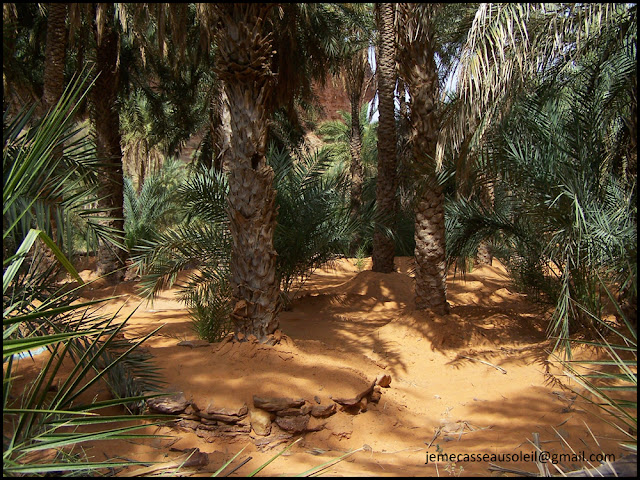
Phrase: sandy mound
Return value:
(384, 287)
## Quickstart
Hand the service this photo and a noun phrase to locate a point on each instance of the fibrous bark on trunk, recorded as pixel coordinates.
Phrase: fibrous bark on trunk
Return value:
(106, 119)
(418, 68)
(244, 66)
(55, 53)
(355, 169)
(487, 198)
(383, 246)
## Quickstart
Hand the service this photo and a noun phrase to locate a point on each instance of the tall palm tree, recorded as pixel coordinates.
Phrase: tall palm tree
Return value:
(418, 69)
(496, 51)
(55, 53)
(357, 77)
(383, 245)
(266, 57)
(244, 59)
(106, 119)
(355, 73)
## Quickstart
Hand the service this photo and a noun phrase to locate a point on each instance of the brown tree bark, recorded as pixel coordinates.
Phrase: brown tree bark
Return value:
(355, 169)
(418, 68)
(244, 57)
(55, 51)
(104, 96)
(383, 246)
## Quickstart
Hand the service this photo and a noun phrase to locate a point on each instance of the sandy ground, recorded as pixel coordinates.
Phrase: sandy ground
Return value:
(346, 327)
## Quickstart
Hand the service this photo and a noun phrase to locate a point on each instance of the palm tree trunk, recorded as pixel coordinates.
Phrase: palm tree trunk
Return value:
(419, 70)
(355, 147)
(243, 64)
(55, 53)
(431, 273)
(108, 144)
(354, 89)
(383, 246)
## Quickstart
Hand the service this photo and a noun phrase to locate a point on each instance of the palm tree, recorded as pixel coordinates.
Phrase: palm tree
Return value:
(418, 69)
(261, 62)
(244, 59)
(357, 76)
(383, 245)
(496, 50)
(106, 119)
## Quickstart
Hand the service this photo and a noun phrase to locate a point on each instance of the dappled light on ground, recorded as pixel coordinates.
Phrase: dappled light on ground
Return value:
(474, 381)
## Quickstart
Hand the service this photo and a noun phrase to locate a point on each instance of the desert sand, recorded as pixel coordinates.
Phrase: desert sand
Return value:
(475, 381)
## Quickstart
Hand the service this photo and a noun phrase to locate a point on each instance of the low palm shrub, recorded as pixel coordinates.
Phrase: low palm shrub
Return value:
(154, 207)
(312, 229)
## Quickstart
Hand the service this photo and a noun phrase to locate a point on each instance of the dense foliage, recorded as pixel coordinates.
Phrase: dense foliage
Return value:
(532, 114)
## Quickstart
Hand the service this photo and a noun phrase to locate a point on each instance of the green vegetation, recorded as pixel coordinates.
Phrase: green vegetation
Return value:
(530, 155)
(48, 415)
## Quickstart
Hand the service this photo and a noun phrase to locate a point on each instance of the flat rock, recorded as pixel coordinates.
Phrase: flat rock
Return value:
(194, 343)
(275, 404)
(170, 404)
(226, 415)
(350, 402)
(323, 411)
(233, 428)
(238, 412)
(210, 432)
(215, 418)
(295, 424)
(206, 421)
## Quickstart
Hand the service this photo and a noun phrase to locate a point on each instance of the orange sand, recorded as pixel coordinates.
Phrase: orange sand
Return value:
(345, 328)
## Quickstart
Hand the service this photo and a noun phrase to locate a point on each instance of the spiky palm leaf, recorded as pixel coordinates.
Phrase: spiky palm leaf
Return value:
(558, 153)
(47, 415)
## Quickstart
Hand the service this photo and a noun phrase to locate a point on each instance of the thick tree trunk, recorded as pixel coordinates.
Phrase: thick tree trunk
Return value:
(244, 60)
(104, 97)
(419, 70)
(431, 273)
(383, 246)
(55, 53)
